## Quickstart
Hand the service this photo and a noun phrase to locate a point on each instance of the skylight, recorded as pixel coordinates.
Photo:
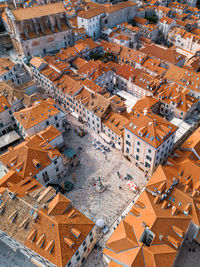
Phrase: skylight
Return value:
(157, 138)
(152, 138)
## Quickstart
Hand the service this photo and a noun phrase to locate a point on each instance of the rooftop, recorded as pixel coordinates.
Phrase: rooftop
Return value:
(38, 11)
(150, 127)
(37, 113)
(32, 155)
(43, 221)
(5, 65)
(166, 54)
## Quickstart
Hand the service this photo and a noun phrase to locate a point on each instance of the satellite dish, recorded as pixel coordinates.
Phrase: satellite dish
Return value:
(100, 223)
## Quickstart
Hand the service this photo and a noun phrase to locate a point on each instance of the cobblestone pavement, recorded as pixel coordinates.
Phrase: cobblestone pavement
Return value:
(107, 205)
(93, 164)
(110, 204)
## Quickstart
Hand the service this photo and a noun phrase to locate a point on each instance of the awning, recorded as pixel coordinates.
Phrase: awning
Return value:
(105, 137)
(8, 138)
(74, 114)
(69, 152)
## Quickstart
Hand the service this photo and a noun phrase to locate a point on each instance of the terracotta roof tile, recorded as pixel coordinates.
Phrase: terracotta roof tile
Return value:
(38, 112)
(38, 11)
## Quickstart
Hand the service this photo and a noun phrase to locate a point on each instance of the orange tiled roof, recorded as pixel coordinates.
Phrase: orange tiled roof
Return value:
(124, 246)
(38, 112)
(38, 11)
(29, 157)
(3, 103)
(183, 77)
(115, 122)
(166, 54)
(5, 65)
(152, 128)
(43, 221)
(169, 93)
(145, 102)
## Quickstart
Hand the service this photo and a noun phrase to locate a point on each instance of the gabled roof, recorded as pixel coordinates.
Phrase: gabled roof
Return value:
(38, 112)
(150, 127)
(145, 102)
(5, 65)
(98, 104)
(3, 104)
(166, 54)
(38, 11)
(183, 77)
(34, 216)
(123, 239)
(165, 226)
(29, 157)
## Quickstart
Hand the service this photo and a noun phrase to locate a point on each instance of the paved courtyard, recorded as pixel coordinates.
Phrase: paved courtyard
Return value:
(93, 164)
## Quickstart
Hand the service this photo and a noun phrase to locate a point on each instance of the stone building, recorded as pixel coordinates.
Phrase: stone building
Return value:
(39, 29)
(43, 225)
(97, 16)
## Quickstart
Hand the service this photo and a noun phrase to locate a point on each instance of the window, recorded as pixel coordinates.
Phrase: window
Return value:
(147, 165)
(128, 136)
(138, 143)
(56, 118)
(90, 234)
(77, 253)
(57, 169)
(57, 125)
(138, 150)
(85, 248)
(45, 178)
(69, 264)
(128, 143)
(91, 239)
(149, 158)
(47, 123)
(78, 258)
(10, 112)
(84, 243)
(127, 150)
(137, 157)
(149, 150)
(55, 162)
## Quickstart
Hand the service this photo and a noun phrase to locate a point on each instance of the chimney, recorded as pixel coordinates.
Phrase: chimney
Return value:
(145, 111)
(187, 209)
(174, 211)
(164, 205)
(156, 200)
(186, 189)
(195, 193)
